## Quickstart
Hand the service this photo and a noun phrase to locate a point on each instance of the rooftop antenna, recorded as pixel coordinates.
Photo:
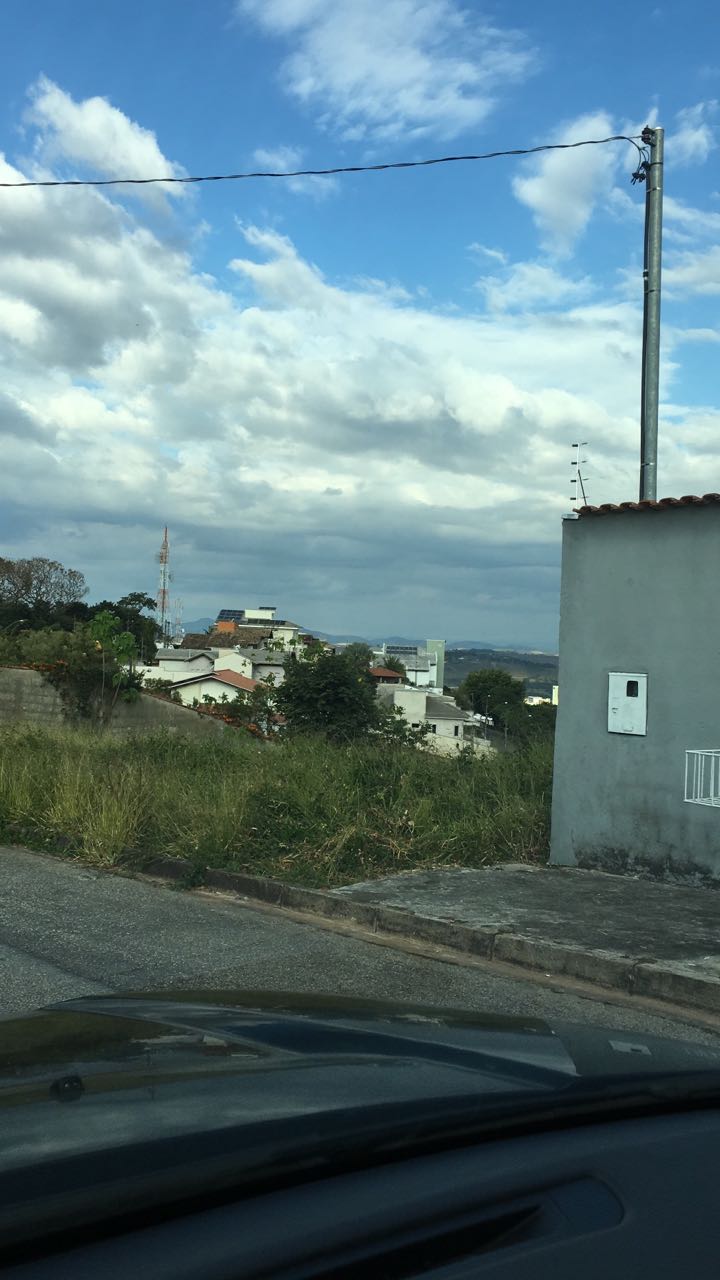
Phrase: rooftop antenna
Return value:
(162, 599)
(178, 630)
(578, 480)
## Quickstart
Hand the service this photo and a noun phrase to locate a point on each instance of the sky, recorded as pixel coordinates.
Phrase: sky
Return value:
(350, 397)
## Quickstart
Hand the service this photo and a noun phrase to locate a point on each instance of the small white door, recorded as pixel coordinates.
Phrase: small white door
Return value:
(627, 702)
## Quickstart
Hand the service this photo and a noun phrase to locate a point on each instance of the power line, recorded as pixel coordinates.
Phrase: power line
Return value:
(323, 173)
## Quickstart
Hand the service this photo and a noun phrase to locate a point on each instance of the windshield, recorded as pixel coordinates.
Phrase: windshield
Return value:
(358, 729)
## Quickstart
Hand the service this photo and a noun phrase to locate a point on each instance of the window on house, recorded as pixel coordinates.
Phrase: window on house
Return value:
(457, 730)
(433, 728)
(631, 689)
(416, 725)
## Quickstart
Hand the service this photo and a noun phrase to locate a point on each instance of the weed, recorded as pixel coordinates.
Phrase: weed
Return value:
(305, 809)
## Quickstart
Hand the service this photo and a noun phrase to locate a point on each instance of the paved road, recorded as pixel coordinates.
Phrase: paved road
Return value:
(66, 931)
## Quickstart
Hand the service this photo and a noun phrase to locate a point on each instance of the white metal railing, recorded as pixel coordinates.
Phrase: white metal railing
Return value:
(702, 777)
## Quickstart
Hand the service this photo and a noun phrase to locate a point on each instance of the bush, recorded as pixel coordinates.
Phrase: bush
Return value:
(306, 809)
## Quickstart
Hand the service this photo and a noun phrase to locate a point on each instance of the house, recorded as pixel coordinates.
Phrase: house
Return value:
(177, 664)
(637, 747)
(251, 626)
(385, 675)
(425, 668)
(213, 684)
(450, 728)
(265, 663)
(226, 640)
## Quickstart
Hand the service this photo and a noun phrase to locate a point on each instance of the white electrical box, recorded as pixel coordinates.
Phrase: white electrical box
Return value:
(627, 702)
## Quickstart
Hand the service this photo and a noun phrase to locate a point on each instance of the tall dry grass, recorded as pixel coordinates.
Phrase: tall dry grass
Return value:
(303, 810)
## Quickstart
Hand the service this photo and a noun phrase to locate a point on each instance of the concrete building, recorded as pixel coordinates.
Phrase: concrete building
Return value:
(177, 664)
(425, 667)
(385, 675)
(214, 684)
(637, 751)
(450, 728)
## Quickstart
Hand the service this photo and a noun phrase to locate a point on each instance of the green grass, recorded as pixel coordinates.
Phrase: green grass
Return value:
(304, 810)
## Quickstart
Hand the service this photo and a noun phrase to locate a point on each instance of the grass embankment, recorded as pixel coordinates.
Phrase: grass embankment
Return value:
(304, 810)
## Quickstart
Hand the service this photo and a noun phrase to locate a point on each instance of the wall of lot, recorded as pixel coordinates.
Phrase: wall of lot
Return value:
(26, 697)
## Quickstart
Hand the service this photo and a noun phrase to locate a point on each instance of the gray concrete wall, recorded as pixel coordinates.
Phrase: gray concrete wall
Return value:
(639, 594)
(25, 696)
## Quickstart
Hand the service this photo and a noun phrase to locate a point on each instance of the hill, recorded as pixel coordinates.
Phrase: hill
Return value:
(538, 670)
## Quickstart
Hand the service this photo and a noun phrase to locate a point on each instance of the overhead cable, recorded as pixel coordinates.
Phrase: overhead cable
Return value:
(323, 173)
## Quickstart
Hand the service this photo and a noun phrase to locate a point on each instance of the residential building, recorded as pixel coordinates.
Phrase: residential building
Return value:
(177, 664)
(450, 728)
(425, 667)
(250, 626)
(265, 663)
(385, 675)
(213, 684)
(637, 747)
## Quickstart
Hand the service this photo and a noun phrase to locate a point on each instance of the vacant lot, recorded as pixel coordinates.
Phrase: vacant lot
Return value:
(303, 810)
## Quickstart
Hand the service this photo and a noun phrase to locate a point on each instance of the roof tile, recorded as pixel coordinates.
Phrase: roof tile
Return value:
(689, 500)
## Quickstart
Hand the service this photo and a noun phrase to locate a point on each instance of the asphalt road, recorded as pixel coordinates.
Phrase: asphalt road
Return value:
(68, 930)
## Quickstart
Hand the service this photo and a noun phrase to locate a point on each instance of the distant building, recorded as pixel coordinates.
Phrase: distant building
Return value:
(449, 727)
(385, 675)
(425, 667)
(213, 684)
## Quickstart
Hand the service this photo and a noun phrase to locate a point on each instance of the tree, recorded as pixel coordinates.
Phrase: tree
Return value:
(492, 693)
(129, 609)
(330, 695)
(360, 654)
(38, 582)
(394, 664)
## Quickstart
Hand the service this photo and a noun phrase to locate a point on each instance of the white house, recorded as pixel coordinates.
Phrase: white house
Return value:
(424, 667)
(213, 684)
(178, 664)
(450, 728)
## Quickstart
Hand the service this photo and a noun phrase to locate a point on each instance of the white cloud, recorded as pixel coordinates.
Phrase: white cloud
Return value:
(693, 137)
(484, 251)
(284, 160)
(368, 460)
(693, 273)
(562, 188)
(529, 286)
(695, 222)
(95, 134)
(403, 69)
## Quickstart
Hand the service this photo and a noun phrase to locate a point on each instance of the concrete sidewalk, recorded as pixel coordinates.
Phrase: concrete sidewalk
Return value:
(638, 936)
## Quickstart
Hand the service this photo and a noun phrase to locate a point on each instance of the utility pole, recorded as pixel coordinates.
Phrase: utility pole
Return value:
(654, 138)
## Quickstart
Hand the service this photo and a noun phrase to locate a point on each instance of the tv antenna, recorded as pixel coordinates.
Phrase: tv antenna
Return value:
(578, 479)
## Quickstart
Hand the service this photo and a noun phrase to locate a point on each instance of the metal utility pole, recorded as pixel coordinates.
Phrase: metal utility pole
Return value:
(654, 138)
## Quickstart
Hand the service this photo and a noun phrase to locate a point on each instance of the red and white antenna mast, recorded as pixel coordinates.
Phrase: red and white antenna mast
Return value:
(162, 600)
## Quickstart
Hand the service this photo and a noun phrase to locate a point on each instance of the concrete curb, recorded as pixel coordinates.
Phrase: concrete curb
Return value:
(668, 981)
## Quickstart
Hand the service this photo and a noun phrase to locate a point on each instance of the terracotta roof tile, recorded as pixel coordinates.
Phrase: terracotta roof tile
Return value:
(386, 672)
(225, 677)
(689, 500)
(234, 677)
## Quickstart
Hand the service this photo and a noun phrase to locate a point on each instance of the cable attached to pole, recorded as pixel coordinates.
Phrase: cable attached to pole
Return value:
(331, 172)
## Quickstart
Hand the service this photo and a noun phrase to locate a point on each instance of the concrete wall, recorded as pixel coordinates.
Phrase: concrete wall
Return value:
(639, 594)
(28, 698)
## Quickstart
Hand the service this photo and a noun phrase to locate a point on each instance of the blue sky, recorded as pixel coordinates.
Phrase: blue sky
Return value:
(355, 396)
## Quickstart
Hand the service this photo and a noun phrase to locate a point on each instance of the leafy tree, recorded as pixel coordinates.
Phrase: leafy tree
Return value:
(330, 695)
(30, 583)
(394, 664)
(130, 610)
(360, 654)
(492, 693)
